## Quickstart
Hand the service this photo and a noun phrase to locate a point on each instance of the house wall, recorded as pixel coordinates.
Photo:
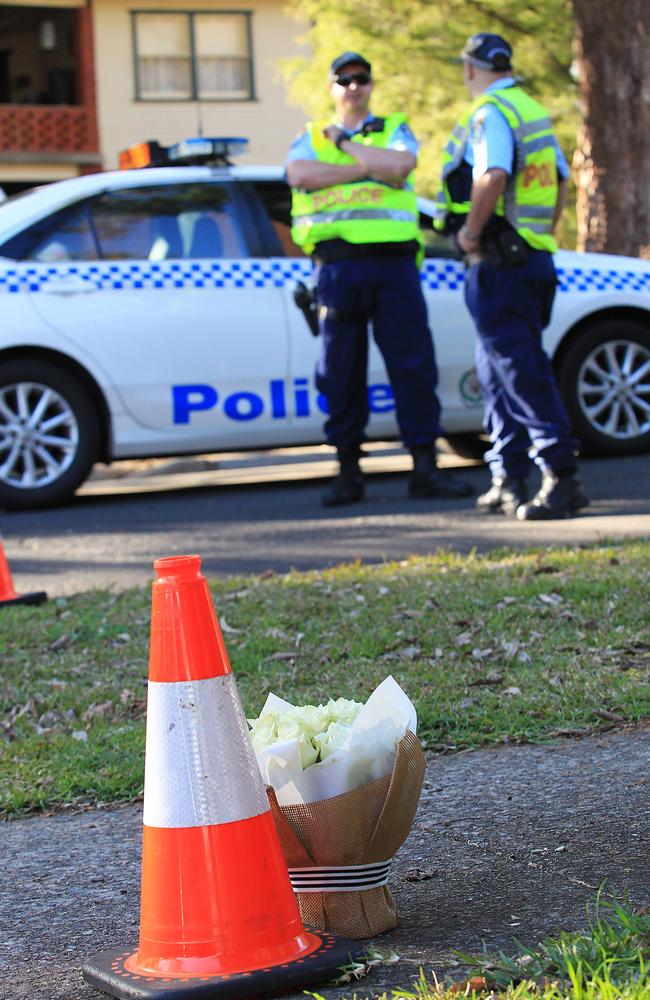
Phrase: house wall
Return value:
(268, 121)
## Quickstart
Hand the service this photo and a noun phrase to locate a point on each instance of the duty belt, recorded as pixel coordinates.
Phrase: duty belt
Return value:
(331, 250)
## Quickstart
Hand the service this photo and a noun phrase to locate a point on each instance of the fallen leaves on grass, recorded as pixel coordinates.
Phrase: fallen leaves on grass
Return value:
(228, 629)
(475, 984)
(488, 681)
(358, 968)
(98, 710)
(60, 643)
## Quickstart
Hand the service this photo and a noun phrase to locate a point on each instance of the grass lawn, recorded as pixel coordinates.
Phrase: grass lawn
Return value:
(507, 647)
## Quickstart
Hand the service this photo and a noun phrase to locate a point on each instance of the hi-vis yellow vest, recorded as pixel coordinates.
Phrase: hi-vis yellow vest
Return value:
(528, 202)
(359, 211)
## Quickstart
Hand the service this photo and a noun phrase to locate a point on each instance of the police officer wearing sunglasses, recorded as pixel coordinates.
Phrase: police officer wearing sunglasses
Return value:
(504, 185)
(355, 211)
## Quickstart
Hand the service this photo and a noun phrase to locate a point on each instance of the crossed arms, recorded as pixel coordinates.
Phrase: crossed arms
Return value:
(390, 166)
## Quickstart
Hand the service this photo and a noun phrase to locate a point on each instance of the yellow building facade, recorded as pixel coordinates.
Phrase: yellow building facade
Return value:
(166, 70)
(81, 80)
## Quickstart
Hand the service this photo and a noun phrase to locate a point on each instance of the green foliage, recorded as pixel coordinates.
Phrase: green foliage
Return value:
(411, 45)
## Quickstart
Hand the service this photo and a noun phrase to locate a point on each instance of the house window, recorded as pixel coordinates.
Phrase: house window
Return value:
(192, 56)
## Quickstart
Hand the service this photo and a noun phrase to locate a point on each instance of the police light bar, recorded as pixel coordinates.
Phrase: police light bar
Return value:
(145, 154)
(188, 152)
(219, 149)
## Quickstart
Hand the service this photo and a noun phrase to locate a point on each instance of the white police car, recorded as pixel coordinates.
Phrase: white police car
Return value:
(151, 312)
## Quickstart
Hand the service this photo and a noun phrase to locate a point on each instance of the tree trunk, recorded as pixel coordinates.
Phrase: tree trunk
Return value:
(613, 153)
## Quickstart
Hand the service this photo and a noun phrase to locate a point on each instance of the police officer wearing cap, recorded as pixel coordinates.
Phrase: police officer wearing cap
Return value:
(355, 211)
(504, 187)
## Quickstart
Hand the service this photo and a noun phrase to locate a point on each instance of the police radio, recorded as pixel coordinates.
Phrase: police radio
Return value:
(374, 125)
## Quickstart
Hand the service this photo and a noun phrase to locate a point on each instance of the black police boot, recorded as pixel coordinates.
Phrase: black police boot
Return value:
(348, 485)
(560, 495)
(426, 481)
(505, 495)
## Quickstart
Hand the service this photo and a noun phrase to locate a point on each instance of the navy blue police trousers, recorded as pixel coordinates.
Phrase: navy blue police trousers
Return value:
(385, 291)
(524, 414)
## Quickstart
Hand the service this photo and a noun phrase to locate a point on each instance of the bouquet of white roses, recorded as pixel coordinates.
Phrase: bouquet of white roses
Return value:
(318, 730)
(344, 781)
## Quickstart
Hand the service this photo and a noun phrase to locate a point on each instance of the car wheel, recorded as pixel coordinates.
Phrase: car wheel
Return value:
(604, 378)
(49, 434)
(468, 445)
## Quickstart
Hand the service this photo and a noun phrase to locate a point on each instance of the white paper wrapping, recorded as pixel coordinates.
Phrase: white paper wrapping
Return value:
(368, 753)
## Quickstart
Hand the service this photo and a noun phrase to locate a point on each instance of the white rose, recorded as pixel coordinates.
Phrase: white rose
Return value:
(344, 710)
(291, 726)
(264, 731)
(315, 719)
(329, 741)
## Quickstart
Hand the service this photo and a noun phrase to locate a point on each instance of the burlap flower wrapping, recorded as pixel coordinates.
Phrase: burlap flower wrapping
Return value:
(366, 825)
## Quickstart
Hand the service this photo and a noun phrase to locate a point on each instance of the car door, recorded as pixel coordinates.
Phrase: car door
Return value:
(443, 280)
(156, 283)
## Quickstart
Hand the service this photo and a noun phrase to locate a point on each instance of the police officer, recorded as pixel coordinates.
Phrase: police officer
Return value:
(504, 187)
(354, 209)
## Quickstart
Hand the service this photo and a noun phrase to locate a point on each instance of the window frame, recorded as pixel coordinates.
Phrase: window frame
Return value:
(272, 245)
(194, 96)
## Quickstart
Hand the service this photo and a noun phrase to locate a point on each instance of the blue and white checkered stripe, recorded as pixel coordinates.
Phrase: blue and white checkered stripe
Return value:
(171, 274)
(583, 279)
(441, 274)
(451, 274)
(273, 273)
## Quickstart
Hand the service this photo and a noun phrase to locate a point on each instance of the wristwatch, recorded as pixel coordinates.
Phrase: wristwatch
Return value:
(343, 136)
(472, 237)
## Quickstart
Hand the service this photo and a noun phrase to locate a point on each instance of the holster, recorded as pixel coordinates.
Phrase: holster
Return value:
(512, 248)
(502, 245)
(305, 299)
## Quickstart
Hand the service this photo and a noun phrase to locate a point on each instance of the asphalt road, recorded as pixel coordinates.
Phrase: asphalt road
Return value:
(248, 514)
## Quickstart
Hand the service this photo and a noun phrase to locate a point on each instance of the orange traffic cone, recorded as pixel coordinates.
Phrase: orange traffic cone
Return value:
(8, 593)
(218, 916)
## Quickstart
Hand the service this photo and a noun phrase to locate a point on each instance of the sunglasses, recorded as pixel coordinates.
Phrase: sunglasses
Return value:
(345, 79)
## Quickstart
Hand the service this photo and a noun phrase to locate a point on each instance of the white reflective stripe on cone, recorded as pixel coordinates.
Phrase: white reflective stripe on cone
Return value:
(200, 766)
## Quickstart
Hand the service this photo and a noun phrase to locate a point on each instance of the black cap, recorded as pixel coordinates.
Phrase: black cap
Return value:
(349, 57)
(488, 51)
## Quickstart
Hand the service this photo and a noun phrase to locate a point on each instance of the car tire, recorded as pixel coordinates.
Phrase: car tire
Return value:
(468, 445)
(606, 393)
(43, 462)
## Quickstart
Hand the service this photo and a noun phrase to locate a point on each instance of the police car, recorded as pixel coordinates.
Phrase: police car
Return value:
(150, 312)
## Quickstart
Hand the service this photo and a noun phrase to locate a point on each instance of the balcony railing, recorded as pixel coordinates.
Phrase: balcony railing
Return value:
(41, 130)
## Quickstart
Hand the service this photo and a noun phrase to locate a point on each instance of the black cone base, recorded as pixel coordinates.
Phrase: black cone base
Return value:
(106, 971)
(36, 598)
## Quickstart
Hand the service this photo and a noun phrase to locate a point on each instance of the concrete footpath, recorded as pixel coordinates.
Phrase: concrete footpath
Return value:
(509, 843)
